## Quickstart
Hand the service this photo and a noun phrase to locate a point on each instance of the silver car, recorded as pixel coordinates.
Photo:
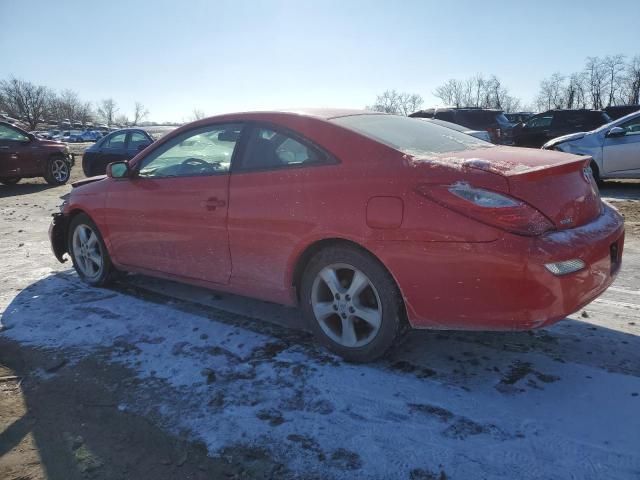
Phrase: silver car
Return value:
(614, 147)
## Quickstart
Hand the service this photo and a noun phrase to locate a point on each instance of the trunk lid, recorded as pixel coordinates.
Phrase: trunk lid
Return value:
(558, 184)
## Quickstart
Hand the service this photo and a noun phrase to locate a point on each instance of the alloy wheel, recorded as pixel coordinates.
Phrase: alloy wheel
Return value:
(346, 305)
(60, 170)
(87, 252)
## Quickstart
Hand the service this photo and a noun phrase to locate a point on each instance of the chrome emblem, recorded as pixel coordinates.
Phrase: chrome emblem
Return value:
(566, 221)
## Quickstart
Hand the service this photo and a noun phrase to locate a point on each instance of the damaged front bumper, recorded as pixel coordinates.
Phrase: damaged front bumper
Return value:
(58, 235)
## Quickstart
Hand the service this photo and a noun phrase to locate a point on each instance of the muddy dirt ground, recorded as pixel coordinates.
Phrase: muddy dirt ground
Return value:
(73, 406)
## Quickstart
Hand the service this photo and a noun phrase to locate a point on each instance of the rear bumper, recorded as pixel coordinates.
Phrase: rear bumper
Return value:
(504, 285)
(58, 235)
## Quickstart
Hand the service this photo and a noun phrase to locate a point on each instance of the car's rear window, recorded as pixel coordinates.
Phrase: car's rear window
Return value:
(410, 135)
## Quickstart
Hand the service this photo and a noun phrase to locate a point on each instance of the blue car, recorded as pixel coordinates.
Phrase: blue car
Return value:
(116, 146)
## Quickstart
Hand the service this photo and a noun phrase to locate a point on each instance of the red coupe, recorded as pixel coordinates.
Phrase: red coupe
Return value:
(370, 222)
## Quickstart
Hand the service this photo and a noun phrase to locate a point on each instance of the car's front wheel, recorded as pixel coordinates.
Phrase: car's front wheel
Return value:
(352, 303)
(9, 180)
(58, 171)
(88, 252)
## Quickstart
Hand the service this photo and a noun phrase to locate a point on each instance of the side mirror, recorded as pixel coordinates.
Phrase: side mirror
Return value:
(118, 170)
(616, 132)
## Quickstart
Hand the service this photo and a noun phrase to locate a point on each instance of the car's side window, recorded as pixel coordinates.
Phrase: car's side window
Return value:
(539, 122)
(203, 151)
(136, 139)
(632, 127)
(116, 141)
(8, 133)
(268, 149)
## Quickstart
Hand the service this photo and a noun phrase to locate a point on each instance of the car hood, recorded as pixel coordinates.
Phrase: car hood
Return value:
(86, 181)
(565, 138)
(50, 143)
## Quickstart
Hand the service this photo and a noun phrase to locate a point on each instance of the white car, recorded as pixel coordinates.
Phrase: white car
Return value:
(614, 147)
(481, 134)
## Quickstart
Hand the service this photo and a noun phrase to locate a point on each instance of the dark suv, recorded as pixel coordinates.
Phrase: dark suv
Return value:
(619, 111)
(543, 127)
(493, 121)
(22, 155)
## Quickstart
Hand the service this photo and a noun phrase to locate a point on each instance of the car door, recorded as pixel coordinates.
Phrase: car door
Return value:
(170, 216)
(535, 131)
(621, 155)
(137, 141)
(274, 194)
(112, 149)
(18, 157)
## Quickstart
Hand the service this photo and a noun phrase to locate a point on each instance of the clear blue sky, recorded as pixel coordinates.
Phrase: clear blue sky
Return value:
(221, 56)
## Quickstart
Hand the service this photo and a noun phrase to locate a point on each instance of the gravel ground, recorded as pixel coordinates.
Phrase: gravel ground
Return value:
(153, 380)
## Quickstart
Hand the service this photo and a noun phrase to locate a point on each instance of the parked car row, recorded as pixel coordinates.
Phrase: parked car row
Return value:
(524, 129)
(494, 122)
(541, 128)
(614, 147)
(70, 136)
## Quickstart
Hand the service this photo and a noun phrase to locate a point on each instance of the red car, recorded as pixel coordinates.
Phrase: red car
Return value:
(23, 155)
(370, 222)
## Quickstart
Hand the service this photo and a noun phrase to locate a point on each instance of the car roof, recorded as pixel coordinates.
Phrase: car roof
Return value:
(321, 113)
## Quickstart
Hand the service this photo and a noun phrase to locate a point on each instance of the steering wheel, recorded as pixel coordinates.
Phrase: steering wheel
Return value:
(195, 161)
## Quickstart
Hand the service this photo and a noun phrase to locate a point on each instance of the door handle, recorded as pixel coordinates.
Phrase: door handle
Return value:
(212, 203)
(4, 148)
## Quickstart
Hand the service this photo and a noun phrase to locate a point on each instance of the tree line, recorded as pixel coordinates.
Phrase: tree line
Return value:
(604, 81)
(34, 104)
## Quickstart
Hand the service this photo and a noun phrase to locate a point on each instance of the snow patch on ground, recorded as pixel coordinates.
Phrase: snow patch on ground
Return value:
(466, 406)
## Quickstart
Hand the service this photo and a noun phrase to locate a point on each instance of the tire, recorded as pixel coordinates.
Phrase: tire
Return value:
(358, 326)
(88, 252)
(10, 180)
(595, 171)
(58, 171)
(86, 168)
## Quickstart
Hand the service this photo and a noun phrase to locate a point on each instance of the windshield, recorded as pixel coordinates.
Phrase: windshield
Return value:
(409, 135)
(617, 122)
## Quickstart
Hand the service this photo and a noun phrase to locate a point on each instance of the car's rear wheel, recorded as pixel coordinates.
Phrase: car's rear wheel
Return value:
(88, 252)
(10, 180)
(352, 303)
(58, 171)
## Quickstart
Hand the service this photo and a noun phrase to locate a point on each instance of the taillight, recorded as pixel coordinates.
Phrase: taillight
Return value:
(489, 207)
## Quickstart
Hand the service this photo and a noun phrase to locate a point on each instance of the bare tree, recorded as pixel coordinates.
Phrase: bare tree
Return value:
(122, 119)
(632, 82)
(85, 113)
(388, 102)
(197, 115)
(107, 110)
(615, 67)
(410, 103)
(65, 105)
(596, 81)
(575, 93)
(477, 91)
(24, 100)
(140, 113)
(451, 92)
(397, 103)
(551, 93)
